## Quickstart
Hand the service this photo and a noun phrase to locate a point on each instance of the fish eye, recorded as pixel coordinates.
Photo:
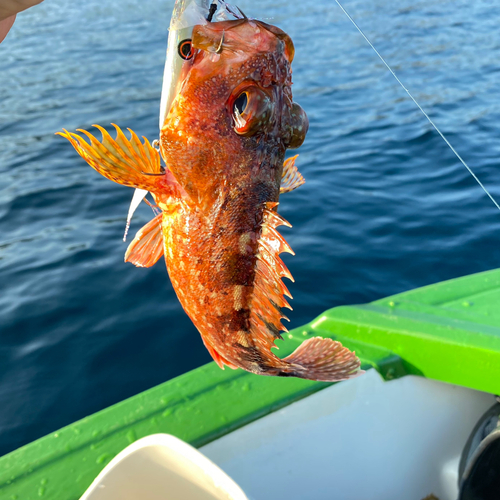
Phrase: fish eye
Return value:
(185, 49)
(299, 124)
(241, 103)
(252, 109)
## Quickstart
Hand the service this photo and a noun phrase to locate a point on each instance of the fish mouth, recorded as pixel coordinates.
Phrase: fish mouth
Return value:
(242, 35)
(281, 35)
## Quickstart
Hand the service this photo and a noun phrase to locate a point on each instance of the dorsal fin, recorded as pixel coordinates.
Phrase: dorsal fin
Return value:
(269, 290)
(147, 246)
(291, 178)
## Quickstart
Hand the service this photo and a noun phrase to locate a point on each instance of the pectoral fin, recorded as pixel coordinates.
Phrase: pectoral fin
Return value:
(122, 160)
(147, 246)
(291, 178)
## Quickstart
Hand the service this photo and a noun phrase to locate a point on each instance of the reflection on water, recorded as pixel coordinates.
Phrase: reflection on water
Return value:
(386, 206)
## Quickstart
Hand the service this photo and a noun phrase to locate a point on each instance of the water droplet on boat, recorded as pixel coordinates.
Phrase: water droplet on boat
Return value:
(131, 436)
(167, 412)
(245, 387)
(41, 491)
(103, 458)
(44, 481)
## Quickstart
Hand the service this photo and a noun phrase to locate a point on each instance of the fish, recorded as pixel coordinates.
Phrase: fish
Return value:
(224, 134)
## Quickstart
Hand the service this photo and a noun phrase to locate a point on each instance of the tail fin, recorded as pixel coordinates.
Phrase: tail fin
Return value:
(122, 160)
(325, 360)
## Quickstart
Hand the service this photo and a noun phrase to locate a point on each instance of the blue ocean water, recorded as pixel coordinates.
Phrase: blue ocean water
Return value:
(386, 207)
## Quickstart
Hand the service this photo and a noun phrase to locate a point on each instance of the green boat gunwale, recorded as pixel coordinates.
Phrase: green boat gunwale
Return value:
(435, 331)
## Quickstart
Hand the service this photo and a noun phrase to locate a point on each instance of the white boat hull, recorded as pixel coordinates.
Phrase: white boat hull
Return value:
(363, 439)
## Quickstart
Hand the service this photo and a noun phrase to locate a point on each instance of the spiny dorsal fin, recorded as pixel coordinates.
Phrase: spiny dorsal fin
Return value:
(121, 160)
(291, 178)
(147, 246)
(269, 289)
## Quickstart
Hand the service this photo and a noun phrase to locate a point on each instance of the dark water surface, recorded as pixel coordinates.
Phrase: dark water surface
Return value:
(386, 206)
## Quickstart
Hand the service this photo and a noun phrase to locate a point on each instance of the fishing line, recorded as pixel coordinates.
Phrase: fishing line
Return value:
(418, 105)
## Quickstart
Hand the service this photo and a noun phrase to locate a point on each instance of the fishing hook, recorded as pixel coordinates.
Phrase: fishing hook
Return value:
(155, 174)
(219, 48)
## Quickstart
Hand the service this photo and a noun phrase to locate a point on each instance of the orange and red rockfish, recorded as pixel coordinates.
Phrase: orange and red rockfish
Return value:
(223, 143)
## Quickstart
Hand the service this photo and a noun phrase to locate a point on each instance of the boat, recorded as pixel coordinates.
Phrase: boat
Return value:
(399, 431)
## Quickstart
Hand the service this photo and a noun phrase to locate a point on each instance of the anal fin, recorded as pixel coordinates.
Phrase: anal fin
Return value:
(147, 246)
(291, 178)
(220, 360)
